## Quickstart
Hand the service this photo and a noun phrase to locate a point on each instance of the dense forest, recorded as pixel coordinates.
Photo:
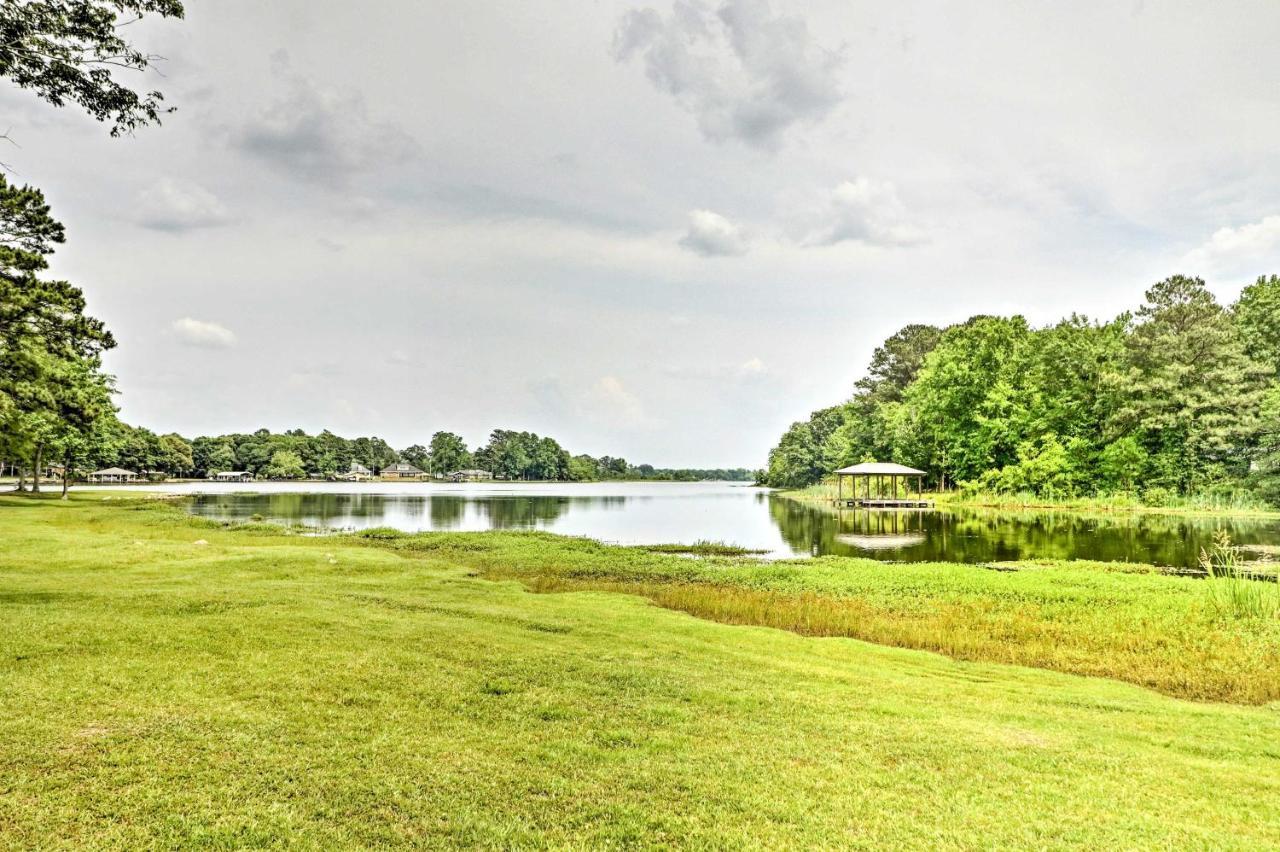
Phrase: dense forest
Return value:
(1181, 397)
(297, 455)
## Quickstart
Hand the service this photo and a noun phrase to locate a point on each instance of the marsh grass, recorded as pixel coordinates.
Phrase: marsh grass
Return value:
(702, 547)
(1231, 586)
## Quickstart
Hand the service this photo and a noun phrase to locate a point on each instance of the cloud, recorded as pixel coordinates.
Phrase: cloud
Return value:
(742, 71)
(609, 402)
(205, 335)
(1230, 249)
(752, 367)
(178, 205)
(712, 235)
(866, 211)
(322, 136)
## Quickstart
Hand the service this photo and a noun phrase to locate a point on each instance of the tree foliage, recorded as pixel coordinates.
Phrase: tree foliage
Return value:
(1178, 396)
(71, 51)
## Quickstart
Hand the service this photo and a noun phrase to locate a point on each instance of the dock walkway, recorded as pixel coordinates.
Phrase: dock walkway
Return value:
(882, 503)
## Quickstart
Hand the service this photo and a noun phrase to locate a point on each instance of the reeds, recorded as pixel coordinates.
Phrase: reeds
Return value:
(1231, 590)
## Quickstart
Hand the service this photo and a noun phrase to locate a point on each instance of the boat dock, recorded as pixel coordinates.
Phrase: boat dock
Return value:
(882, 503)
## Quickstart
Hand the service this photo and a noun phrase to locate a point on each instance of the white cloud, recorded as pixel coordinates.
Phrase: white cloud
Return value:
(752, 367)
(610, 402)
(179, 205)
(206, 335)
(712, 235)
(1229, 249)
(742, 71)
(866, 211)
(323, 136)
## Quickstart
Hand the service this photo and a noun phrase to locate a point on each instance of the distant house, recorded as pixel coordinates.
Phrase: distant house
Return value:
(233, 476)
(401, 470)
(358, 469)
(471, 476)
(113, 474)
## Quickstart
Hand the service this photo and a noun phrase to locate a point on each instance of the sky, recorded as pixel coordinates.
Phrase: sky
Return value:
(657, 230)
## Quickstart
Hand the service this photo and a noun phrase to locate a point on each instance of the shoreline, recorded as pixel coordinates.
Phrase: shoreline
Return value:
(1083, 506)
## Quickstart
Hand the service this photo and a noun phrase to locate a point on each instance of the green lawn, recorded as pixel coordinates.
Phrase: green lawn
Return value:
(262, 689)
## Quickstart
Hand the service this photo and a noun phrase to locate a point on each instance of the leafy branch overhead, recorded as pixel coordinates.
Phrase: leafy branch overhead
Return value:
(71, 51)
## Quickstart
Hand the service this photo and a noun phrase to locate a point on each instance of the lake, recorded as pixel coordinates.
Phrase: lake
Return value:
(658, 513)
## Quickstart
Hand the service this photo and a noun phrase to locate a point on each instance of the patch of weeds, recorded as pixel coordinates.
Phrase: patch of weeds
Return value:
(702, 547)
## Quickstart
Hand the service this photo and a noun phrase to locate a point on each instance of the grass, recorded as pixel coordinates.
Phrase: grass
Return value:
(1232, 592)
(263, 689)
(1239, 504)
(703, 548)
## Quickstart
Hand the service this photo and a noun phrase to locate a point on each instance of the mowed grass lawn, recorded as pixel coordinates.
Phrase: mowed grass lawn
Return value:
(270, 690)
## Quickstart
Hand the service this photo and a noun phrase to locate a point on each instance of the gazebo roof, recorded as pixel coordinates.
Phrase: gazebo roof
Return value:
(880, 469)
(114, 471)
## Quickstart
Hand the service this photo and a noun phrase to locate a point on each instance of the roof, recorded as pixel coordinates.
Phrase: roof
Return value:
(113, 471)
(401, 467)
(232, 473)
(881, 469)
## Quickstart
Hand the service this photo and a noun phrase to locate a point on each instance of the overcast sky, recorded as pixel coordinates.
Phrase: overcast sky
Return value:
(656, 230)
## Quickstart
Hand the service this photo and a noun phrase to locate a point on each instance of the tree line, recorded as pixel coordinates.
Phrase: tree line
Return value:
(1181, 396)
(296, 455)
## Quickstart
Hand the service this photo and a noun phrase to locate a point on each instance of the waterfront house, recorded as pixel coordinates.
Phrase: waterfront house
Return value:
(233, 476)
(471, 476)
(401, 470)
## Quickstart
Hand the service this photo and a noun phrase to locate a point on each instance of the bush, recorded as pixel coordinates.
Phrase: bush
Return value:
(1158, 496)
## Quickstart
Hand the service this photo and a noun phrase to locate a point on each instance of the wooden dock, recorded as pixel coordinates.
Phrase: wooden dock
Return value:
(882, 503)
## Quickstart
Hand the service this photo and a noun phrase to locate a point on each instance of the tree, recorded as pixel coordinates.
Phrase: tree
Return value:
(896, 362)
(46, 339)
(966, 401)
(796, 461)
(175, 455)
(1122, 463)
(285, 464)
(1267, 467)
(1257, 314)
(212, 455)
(417, 455)
(1192, 394)
(448, 453)
(68, 51)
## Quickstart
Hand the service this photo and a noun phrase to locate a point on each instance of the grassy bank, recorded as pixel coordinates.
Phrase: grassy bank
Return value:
(1206, 505)
(167, 682)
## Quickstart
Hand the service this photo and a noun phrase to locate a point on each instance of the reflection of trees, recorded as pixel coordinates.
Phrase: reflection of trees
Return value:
(514, 512)
(447, 511)
(988, 536)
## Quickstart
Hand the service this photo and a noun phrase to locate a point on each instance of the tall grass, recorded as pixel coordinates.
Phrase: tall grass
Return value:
(1232, 592)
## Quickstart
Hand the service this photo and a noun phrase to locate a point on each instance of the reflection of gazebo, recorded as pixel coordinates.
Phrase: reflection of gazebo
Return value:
(885, 476)
(881, 542)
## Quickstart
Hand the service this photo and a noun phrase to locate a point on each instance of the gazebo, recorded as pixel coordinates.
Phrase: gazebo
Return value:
(886, 477)
(113, 474)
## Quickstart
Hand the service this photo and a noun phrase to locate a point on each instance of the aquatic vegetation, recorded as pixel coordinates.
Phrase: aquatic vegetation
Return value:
(703, 548)
(1232, 589)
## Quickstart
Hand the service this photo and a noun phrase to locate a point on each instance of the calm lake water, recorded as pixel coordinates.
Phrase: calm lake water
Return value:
(652, 513)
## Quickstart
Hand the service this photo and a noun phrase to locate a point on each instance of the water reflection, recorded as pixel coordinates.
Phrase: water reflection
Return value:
(646, 514)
